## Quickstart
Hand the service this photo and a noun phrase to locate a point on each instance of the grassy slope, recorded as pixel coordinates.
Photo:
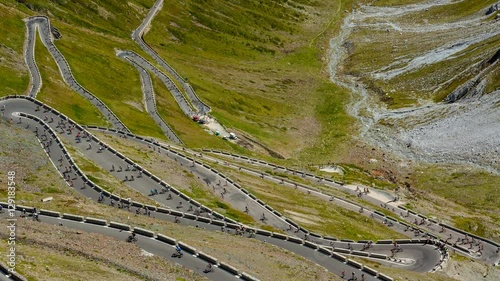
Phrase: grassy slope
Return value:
(471, 189)
(54, 90)
(13, 71)
(393, 2)
(254, 66)
(90, 35)
(315, 214)
(36, 262)
(376, 49)
(493, 83)
(454, 11)
(264, 72)
(192, 134)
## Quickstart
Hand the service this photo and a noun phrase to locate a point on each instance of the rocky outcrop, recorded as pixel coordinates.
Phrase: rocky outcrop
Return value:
(471, 88)
(493, 8)
(494, 58)
(475, 86)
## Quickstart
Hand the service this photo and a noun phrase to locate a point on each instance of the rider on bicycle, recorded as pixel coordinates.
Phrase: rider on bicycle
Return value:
(209, 268)
(132, 237)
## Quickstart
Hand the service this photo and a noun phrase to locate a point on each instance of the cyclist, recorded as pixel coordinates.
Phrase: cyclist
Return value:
(209, 268)
(178, 250)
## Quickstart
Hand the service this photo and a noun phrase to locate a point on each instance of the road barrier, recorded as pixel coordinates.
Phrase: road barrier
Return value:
(354, 263)
(370, 270)
(208, 258)
(378, 256)
(342, 250)
(50, 213)
(203, 219)
(72, 217)
(117, 225)
(360, 253)
(384, 242)
(263, 232)
(228, 268)
(279, 236)
(310, 245)
(248, 277)
(295, 240)
(166, 239)
(218, 222)
(144, 232)
(163, 210)
(325, 251)
(96, 221)
(339, 257)
(187, 248)
(384, 277)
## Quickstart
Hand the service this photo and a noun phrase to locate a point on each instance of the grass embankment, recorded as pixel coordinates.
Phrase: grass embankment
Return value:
(14, 73)
(54, 90)
(252, 63)
(191, 133)
(91, 33)
(385, 3)
(455, 11)
(352, 174)
(37, 262)
(472, 192)
(313, 213)
(493, 83)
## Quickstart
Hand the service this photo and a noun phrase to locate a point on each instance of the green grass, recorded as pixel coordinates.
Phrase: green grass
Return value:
(15, 79)
(255, 69)
(329, 219)
(118, 82)
(471, 224)
(57, 94)
(389, 3)
(472, 190)
(454, 11)
(190, 132)
(88, 43)
(493, 83)
(113, 19)
(315, 214)
(213, 202)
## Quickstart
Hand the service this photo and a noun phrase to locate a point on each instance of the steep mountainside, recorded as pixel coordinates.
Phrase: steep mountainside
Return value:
(402, 59)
